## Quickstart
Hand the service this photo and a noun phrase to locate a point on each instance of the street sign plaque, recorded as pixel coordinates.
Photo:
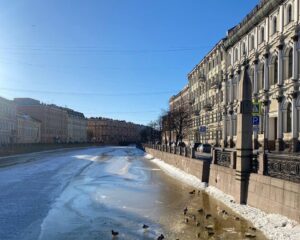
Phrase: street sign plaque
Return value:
(255, 128)
(256, 108)
(255, 120)
(202, 129)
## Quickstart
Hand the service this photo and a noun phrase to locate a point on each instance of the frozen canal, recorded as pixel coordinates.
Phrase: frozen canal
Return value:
(84, 194)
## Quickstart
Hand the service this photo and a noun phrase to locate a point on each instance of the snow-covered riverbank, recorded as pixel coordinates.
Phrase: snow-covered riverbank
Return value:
(274, 226)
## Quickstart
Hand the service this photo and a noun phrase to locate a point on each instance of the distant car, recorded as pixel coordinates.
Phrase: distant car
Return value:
(181, 144)
(195, 145)
(204, 148)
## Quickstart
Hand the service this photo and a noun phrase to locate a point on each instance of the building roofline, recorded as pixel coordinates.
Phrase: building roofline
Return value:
(260, 11)
(217, 45)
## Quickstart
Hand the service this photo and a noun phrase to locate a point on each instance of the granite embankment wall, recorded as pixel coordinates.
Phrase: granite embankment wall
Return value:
(271, 195)
(30, 148)
(196, 167)
(274, 195)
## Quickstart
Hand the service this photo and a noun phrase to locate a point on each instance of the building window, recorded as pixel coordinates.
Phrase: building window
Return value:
(244, 49)
(252, 42)
(276, 71)
(236, 55)
(261, 80)
(274, 25)
(290, 63)
(289, 14)
(229, 58)
(262, 34)
(289, 118)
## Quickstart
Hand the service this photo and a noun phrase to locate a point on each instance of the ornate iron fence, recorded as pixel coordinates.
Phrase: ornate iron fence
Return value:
(283, 167)
(223, 158)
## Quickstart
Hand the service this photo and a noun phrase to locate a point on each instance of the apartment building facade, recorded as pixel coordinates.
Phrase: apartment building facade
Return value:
(206, 96)
(77, 126)
(53, 119)
(8, 121)
(268, 39)
(109, 131)
(271, 45)
(28, 129)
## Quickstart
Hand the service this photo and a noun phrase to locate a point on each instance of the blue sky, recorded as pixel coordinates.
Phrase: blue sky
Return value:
(115, 58)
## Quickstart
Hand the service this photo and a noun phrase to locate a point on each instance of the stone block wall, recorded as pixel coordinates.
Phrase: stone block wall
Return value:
(274, 195)
(222, 178)
(195, 167)
(271, 195)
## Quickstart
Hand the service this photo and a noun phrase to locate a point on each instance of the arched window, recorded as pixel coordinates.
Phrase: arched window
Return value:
(252, 42)
(244, 48)
(229, 58)
(289, 14)
(261, 79)
(262, 34)
(236, 54)
(276, 70)
(289, 118)
(290, 63)
(274, 25)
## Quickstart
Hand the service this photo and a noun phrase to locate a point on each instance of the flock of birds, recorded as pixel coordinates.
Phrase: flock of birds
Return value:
(193, 218)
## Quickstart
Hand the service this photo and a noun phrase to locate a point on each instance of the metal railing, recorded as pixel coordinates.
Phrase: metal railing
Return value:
(182, 151)
(284, 167)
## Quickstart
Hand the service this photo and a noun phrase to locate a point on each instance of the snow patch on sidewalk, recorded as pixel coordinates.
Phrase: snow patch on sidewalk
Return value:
(274, 226)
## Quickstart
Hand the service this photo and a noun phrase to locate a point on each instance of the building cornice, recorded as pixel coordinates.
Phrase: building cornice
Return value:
(263, 9)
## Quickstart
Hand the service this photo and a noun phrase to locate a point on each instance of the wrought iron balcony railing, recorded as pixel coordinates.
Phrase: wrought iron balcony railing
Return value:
(207, 107)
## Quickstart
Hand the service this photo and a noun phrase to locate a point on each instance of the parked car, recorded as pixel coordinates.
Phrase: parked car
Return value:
(196, 145)
(204, 148)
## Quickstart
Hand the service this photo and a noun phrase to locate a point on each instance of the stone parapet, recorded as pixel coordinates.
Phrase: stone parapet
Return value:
(195, 167)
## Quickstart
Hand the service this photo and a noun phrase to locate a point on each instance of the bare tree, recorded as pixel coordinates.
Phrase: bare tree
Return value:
(167, 125)
(181, 122)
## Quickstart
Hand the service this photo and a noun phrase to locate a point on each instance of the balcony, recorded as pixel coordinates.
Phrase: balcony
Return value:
(207, 107)
(196, 113)
(201, 77)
